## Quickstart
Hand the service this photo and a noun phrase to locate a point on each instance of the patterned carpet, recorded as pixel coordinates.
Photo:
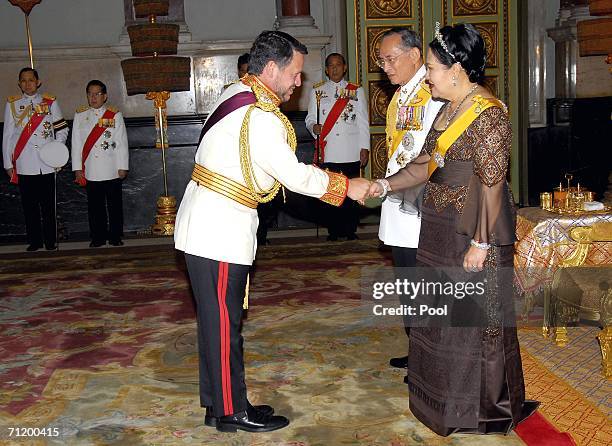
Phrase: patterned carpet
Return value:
(102, 347)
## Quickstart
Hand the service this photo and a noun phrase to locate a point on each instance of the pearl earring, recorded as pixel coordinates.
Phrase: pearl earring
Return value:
(454, 81)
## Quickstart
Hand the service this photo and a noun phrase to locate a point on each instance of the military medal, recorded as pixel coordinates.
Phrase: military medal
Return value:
(104, 145)
(402, 159)
(408, 142)
(107, 134)
(41, 109)
(439, 159)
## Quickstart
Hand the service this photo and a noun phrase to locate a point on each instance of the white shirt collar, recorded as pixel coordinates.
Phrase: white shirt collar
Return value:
(33, 97)
(406, 89)
(340, 84)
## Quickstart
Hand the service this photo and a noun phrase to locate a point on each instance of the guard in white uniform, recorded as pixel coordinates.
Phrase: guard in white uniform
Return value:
(100, 160)
(344, 138)
(410, 115)
(246, 154)
(31, 121)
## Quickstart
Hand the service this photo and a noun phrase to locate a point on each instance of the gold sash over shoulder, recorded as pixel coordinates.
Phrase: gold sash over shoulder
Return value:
(454, 131)
(223, 185)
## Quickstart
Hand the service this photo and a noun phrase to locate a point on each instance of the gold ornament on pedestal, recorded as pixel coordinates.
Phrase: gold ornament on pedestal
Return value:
(156, 75)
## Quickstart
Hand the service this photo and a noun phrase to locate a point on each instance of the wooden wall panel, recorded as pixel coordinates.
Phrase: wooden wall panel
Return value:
(378, 155)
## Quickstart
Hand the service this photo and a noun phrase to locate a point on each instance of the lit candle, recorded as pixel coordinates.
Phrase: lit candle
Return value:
(578, 187)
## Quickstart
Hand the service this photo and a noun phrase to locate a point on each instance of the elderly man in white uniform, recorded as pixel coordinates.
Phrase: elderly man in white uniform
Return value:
(32, 120)
(100, 161)
(246, 154)
(344, 134)
(410, 115)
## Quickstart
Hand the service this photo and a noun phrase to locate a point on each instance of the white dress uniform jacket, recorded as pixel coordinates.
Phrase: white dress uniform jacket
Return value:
(398, 228)
(213, 226)
(15, 119)
(110, 152)
(351, 132)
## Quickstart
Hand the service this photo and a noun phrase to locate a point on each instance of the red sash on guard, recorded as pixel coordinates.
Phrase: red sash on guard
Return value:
(93, 136)
(26, 133)
(331, 119)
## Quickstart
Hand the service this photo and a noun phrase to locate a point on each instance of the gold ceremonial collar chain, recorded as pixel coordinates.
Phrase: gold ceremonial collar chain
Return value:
(407, 98)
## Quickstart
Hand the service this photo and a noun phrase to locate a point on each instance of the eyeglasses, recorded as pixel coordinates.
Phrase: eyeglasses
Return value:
(94, 95)
(388, 60)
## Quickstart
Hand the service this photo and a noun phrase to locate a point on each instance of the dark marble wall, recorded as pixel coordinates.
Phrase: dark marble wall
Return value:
(145, 182)
(577, 141)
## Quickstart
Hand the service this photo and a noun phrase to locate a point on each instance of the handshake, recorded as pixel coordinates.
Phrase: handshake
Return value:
(359, 189)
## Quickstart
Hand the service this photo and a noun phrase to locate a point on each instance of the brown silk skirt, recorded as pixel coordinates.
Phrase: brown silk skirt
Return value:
(466, 379)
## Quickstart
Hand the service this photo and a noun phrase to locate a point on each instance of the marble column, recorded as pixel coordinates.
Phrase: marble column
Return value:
(293, 17)
(576, 76)
(566, 47)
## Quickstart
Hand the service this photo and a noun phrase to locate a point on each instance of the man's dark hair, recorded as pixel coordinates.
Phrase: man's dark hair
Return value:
(96, 83)
(410, 39)
(334, 55)
(275, 46)
(243, 59)
(26, 69)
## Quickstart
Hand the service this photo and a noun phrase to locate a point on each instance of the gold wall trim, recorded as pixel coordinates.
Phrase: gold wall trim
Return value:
(358, 40)
(474, 8)
(506, 55)
(375, 10)
(420, 10)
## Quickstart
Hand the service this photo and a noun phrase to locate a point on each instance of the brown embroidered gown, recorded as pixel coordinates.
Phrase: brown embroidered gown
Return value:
(469, 378)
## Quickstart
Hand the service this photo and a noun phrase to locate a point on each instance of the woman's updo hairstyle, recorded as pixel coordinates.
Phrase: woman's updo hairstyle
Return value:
(461, 43)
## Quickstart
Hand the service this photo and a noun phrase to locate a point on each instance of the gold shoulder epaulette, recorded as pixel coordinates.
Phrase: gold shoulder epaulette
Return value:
(112, 108)
(48, 96)
(13, 98)
(82, 108)
(318, 84)
(353, 83)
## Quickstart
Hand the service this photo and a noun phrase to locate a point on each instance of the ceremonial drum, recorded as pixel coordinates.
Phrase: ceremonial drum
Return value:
(54, 154)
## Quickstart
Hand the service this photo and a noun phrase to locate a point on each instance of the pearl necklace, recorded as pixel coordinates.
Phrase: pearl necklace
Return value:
(452, 115)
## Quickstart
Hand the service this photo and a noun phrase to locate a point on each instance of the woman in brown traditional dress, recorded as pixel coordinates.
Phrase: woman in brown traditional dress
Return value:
(465, 378)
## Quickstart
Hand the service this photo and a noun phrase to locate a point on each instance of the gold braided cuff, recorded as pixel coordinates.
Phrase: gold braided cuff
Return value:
(336, 189)
(223, 185)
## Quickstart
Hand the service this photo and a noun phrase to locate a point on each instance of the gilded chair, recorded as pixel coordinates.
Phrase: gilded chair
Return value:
(584, 292)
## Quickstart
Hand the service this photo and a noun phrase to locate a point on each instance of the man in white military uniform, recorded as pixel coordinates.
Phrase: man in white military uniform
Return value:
(410, 115)
(344, 138)
(100, 160)
(246, 154)
(31, 121)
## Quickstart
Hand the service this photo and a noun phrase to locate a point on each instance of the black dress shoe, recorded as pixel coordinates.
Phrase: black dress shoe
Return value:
(400, 363)
(33, 248)
(352, 237)
(96, 244)
(52, 247)
(332, 238)
(251, 421)
(116, 243)
(211, 421)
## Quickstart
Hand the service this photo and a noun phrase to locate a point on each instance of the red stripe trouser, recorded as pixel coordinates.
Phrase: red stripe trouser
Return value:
(218, 288)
